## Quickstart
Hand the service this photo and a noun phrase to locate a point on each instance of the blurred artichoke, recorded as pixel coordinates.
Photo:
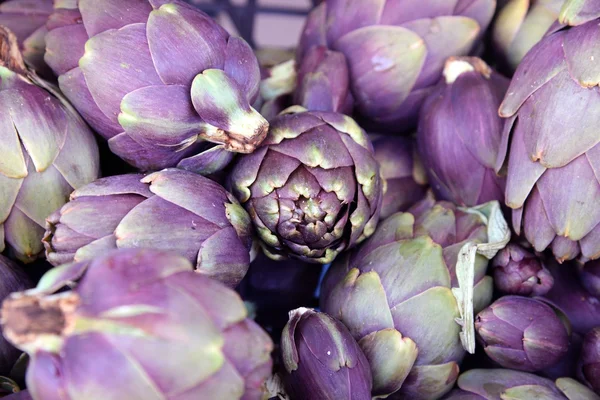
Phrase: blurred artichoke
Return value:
(169, 332)
(589, 274)
(517, 271)
(504, 384)
(590, 359)
(312, 187)
(170, 210)
(522, 333)
(460, 131)
(321, 360)
(47, 151)
(27, 20)
(395, 50)
(390, 290)
(404, 179)
(519, 25)
(553, 113)
(12, 279)
(158, 81)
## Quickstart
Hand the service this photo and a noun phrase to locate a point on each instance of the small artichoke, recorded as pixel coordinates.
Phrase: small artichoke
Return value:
(522, 333)
(504, 384)
(312, 188)
(590, 359)
(160, 330)
(404, 179)
(518, 271)
(460, 131)
(46, 150)
(172, 210)
(389, 290)
(321, 359)
(158, 81)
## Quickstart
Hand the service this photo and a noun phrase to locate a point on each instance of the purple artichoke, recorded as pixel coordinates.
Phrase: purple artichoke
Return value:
(321, 359)
(519, 25)
(589, 274)
(46, 152)
(27, 20)
(169, 332)
(384, 289)
(504, 384)
(517, 271)
(404, 179)
(312, 188)
(158, 82)
(460, 131)
(394, 50)
(590, 359)
(170, 210)
(553, 161)
(12, 279)
(522, 333)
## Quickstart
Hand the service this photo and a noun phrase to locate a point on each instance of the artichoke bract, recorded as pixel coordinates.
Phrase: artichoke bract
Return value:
(518, 271)
(383, 290)
(590, 359)
(312, 188)
(519, 25)
(46, 152)
(589, 274)
(12, 279)
(395, 50)
(522, 333)
(460, 131)
(22, 395)
(321, 359)
(551, 142)
(404, 179)
(500, 384)
(172, 210)
(158, 82)
(169, 332)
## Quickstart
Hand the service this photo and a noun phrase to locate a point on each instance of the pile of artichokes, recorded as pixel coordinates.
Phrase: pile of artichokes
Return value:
(404, 205)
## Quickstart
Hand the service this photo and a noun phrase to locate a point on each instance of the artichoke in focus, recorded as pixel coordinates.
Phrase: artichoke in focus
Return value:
(551, 141)
(312, 188)
(518, 271)
(460, 131)
(46, 150)
(172, 210)
(162, 82)
(519, 25)
(390, 290)
(321, 360)
(169, 332)
(394, 50)
(522, 333)
(404, 179)
(590, 359)
(503, 384)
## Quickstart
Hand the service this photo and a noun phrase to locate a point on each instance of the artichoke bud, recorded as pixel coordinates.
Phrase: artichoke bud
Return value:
(517, 271)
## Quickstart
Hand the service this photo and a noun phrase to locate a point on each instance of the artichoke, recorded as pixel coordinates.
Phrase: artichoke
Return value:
(522, 333)
(404, 179)
(158, 82)
(12, 279)
(517, 271)
(395, 50)
(171, 210)
(27, 20)
(553, 113)
(169, 332)
(502, 384)
(590, 359)
(519, 25)
(312, 188)
(389, 290)
(460, 131)
(321, 360)
(47, 151)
